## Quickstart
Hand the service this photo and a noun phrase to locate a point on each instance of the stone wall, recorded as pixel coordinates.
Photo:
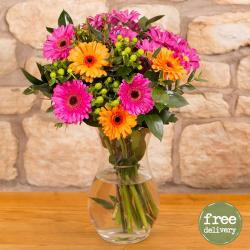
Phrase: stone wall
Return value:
(206, 150)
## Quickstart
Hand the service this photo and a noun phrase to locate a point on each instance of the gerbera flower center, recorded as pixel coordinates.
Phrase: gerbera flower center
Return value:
(135, 94)
(73, 100)
(117, 119)
(89, 60)
(169, 64)
(62, 43)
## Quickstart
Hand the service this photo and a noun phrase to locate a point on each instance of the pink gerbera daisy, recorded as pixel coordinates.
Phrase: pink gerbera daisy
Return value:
(59, 43)
(136, 97)
(71, 102)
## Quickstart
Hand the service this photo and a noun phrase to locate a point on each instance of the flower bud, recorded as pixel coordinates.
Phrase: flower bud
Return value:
(133, 58)
(119, 37)
(97, 111)
(134, 40)
(126, 40)
(139, 67)
(61, 71)
(140, 52)
(99, 100)
(69, 71)
(109, 79)
(53, 74)
(118, 45)
(116, 84)
(127, 50)
(115, 103)
(104, 91)
(98, 86)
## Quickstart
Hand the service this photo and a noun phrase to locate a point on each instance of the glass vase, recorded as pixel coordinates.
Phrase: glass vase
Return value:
(123, 200)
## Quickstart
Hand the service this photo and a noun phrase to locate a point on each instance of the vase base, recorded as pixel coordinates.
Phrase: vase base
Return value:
(118, 237)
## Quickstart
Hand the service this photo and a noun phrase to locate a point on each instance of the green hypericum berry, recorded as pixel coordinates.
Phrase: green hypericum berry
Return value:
(134, 40)
(124, 53)
(115, 103)
(98, 86)
(99, 100)
(133, 58)
(69, 71)
(126, 39)
(139, 67)
(55, 64)
(118, 45)
(61, 71)
(140, 52)
(116, 84)
(109, 79)
(128, 50)
(97, 111)
(53, 74)
(119, 37)
(104, 91)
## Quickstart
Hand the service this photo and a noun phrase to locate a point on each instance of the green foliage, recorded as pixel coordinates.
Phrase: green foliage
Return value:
(156, 52)
(31, 78)
(49, 29)
(104, 203)
(160, 95)
(176, 100)
(155, 125)
(64, 19)
(138, 145)
(153, 19)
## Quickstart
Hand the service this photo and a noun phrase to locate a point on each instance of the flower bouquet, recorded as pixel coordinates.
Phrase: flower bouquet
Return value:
(118, 72)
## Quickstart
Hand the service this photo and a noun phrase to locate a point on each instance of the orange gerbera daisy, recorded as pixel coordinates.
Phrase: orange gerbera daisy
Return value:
(169, 65)
(116, 122)
(88, 60)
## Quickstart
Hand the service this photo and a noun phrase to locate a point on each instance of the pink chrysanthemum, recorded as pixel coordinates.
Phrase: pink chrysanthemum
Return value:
(98, 20)
(188, 56)
(121, 30)
(116, 18)
(123, 17)
(136, 97)
(71, 102)
(148, 46)
(58, 44)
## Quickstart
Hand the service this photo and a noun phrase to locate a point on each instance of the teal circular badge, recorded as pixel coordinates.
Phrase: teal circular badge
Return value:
(220, 223)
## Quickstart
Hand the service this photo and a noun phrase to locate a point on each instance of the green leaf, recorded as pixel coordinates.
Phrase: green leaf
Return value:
(50, 30)
(160, 95)
(58, 125)
(155, 125)
(151, 75)
(154, 19)
(50, 109)
(187, 88)
(142, 22)
(31, 78)
(95, 32)
(123, 71)
(156, 52)
(29, 91)
(64, 18)
(138, 144)
(113, 198)
(159, 106)
(102, 202)
(91, 122)
(41, 68)
(167, 116)
(176, 101)
(191, 76)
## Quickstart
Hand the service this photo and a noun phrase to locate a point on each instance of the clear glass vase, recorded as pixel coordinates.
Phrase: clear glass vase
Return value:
(123, 200)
